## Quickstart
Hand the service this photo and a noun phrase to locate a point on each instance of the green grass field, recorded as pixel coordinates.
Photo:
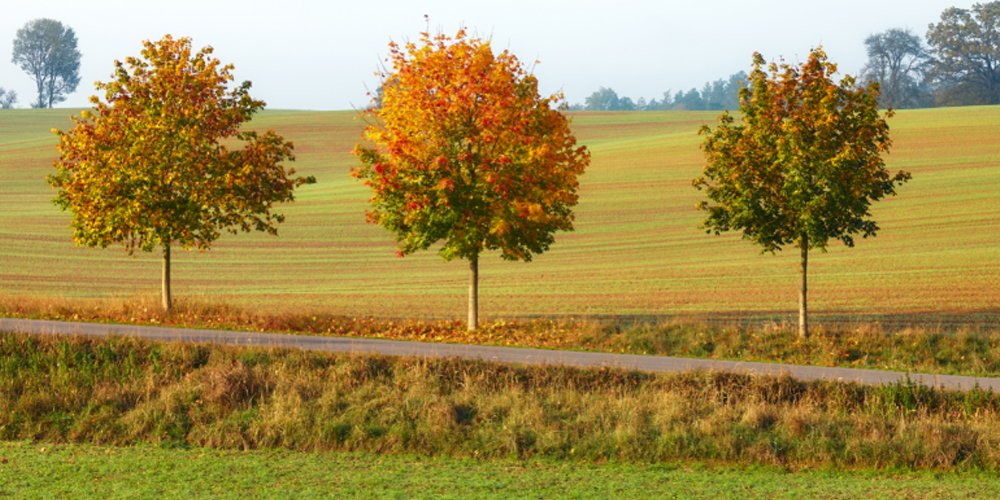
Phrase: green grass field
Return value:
(86, 471)
(637, 248)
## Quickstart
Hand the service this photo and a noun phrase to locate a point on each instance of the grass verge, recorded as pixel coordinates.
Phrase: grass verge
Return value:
(125, 391)
(81, 471)
(929, 348)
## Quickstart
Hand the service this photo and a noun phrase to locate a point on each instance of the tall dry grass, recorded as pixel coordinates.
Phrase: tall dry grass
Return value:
(123, 391)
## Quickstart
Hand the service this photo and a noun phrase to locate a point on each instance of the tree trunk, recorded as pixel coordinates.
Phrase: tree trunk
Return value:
(474, 293)
(41, 97)
(803, 302)
(167, 303)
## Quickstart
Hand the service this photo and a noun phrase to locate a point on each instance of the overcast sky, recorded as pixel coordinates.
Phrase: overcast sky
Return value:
(314, 54)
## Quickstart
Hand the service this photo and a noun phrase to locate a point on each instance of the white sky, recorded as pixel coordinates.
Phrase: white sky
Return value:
(315, 54)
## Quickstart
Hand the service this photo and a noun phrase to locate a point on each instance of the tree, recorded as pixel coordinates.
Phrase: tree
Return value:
(158, 165)
(712, 94)
(896, 59)
(731, 94)
(966, 55)
(688, 101)
(464, 151)
(604, 99)
(720, 94)
(802, 165)
(46, 50)
(7, 98)
(666, 101)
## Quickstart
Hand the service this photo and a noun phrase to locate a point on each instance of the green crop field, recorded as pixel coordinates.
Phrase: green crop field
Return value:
(637, 248)
(86, 471)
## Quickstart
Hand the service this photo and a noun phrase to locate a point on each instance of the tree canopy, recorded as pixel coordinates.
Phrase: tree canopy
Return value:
(966, 55)
(7, 98)
(46, 50)
(802, 164)
(605, 99)
(463, 151)
(156, 164)
(720, 94)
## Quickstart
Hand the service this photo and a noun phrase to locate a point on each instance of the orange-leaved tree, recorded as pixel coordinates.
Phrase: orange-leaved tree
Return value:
(802, 165)
(461, 149)
(163, 162)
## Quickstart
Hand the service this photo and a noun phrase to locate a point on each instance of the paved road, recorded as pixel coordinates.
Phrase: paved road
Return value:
(489, 353)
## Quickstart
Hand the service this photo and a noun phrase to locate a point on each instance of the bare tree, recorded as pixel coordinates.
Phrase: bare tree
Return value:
(46, 50)
(896, 61)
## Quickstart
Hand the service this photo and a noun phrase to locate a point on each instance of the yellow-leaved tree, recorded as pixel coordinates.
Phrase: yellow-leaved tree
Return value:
(163, 161)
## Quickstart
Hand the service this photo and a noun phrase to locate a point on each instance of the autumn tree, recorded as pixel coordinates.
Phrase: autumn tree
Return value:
(163, 161)
(965, 49)
(801, 165)
(46, 50)
(464, 151)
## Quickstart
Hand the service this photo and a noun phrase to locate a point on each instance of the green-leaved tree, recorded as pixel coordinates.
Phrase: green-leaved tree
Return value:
(965, 50)
(802, 163)
(46, 50)
(7, 98)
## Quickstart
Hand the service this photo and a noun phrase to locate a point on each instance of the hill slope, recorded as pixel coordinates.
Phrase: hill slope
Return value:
(637, 248)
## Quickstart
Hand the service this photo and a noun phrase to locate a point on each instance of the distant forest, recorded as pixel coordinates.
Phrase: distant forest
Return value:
(720, 94)
(958, 65)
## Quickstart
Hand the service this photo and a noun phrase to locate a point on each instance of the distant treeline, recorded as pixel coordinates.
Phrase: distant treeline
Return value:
(959, 65)
(720, 94)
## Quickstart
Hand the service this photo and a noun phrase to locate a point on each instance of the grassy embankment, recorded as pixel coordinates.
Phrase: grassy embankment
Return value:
(88, 471)
(637, 248)
(125, 392)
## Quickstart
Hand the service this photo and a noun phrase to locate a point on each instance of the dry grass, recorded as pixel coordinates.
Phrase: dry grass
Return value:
(944, 347)
(123, 391)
